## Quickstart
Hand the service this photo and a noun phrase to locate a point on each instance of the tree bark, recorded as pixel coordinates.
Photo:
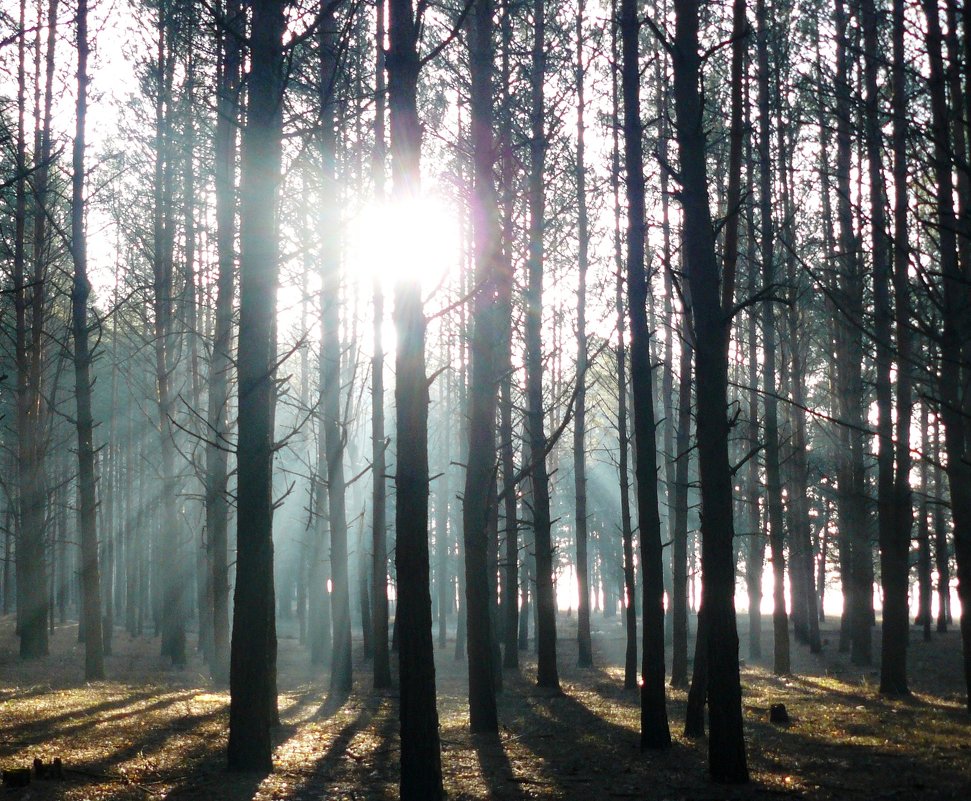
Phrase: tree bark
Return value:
(252, 681)
(379, 554)
(655, 732)
(726, 744)
(894, 513)
(217, 455)
(421, 760)
(773, 481)
(547, 675)
(585, 647)
(480, 474)
(955, 318)
(331, 424)
(623, 439)
(87, 490)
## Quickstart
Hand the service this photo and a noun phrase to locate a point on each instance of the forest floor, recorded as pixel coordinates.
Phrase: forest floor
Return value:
(152, 733)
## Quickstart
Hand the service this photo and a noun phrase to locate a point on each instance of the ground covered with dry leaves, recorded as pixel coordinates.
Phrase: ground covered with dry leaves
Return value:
(154, 733)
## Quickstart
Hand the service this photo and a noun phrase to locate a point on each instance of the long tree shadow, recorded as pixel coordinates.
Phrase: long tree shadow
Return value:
(149, 753)
(338, 765)
(313, 780)
(579, 747)
(840, 768)
(496, 768)
(44, 728)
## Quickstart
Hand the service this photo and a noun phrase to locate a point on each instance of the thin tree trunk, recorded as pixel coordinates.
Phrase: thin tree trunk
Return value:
(585, 658)
(217, 457)
(924, 581)
(379, 555)
(654, 718)
(780, 619)
(331, 427)
(511, 590)
(547, 675)
(87, 491)
(623, 439)
(679, 661)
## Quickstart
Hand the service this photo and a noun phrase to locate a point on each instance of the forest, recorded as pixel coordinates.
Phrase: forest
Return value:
(485, 399)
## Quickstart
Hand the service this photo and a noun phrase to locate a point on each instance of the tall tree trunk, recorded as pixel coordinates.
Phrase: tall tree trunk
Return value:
(585, 658)
(851, 478)
(755, 558)
(421, 755)
(726, 744)
(802, 575)
(379, 554)
(955, 318)
(331, 426)
(679, 661)
(623, 440)
(87, 492)
(511, 592)
(192, 321)
(891, 493)
(172, 572)
(654, 717)
(252, 680)
(480, 475)
(924, 581)
(217, 456)
(677, 458)
(942, 555)
(547, 675)
(773, 481)
(31, 574)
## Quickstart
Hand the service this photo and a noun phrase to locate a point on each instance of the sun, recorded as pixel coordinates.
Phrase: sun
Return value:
(395, 241)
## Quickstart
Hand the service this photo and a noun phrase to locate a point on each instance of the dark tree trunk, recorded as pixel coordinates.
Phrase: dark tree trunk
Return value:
(679, 557)
(654, 718)
(726, 745)
(773, 481)
(421, 755)
(585, 648)
(694, 713)
(511, 589)
(252, 680)
(443, 579)
(623, 440)
(480, 476)
(855, 550)
(924, 580)
(539, 479)
(895, 514)
(955, 314)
